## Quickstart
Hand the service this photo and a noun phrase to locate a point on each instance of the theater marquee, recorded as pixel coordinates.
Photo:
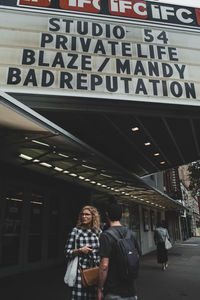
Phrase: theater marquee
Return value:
(78, 56)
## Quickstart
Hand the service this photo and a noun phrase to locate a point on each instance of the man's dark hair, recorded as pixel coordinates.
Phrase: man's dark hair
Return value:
(114, 211)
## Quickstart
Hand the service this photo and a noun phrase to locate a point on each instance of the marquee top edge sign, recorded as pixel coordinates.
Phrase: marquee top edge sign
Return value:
(127, 9)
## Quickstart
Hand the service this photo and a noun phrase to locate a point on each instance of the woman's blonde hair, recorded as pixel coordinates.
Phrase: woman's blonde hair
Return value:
(95, 218)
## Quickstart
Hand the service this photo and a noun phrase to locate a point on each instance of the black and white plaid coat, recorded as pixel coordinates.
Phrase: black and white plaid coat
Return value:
(83, 238)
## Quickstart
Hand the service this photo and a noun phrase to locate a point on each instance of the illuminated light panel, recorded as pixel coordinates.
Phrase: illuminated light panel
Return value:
(156, 154)
(81, 177)
(58, 169)
(147, 144)
(63, 155)
(135, 129)
(162, 162)
(36, 160)
(73, 174)
(105, 175)
(98, 183)
(88, 167)
(25, 156)
(66, 172)
(35, 202)
(45, 165)
(40, 143)
(93, 182)
(14, 199)
(87, 179)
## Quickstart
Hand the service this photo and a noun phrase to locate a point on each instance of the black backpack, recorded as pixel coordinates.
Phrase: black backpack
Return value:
(127, 258)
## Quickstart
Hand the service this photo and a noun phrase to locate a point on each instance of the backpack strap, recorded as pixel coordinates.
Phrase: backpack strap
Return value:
(116, 236)
(113, 234)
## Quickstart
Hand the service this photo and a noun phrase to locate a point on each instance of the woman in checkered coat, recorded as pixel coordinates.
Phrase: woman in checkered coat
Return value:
(86, 234)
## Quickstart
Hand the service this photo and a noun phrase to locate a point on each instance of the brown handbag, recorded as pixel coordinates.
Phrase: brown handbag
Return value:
(89, 277)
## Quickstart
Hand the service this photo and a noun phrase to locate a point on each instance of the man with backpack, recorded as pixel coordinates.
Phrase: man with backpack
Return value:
(119, 251)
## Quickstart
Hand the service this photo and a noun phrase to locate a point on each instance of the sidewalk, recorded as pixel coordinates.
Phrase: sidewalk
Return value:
(179, 282)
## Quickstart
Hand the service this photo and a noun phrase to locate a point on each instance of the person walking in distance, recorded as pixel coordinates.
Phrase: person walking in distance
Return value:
(160, 235)
(114, 283)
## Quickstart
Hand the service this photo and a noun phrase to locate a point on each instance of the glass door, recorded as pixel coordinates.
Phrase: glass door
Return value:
(35, 226)
(11, 226)
(53, 229)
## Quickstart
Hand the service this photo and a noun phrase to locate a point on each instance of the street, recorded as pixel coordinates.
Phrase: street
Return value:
(179, 282)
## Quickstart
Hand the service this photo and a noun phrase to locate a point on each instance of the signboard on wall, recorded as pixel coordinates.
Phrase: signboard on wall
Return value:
(128, 9)
(79, 56)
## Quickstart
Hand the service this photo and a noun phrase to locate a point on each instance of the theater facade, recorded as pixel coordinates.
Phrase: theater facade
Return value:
(94, 97)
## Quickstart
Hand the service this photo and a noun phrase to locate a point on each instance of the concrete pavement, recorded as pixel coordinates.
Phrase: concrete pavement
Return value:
(180, 281)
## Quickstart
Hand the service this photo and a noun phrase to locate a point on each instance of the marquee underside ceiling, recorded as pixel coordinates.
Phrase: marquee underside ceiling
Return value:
(173, 131)
(30, 141)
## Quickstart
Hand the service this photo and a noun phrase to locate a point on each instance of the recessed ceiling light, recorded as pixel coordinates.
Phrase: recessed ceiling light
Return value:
(58, 169)
(40, 143)
(63, 155)
(45, 165)
(156, 154)
(147, 144)
(25, 156)
(73, 174)
(162, 162)
(135, 128)
(36, 160)
(87, 179)
(89, 167)
(105, 175)
(36, 202)
(14, 199)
